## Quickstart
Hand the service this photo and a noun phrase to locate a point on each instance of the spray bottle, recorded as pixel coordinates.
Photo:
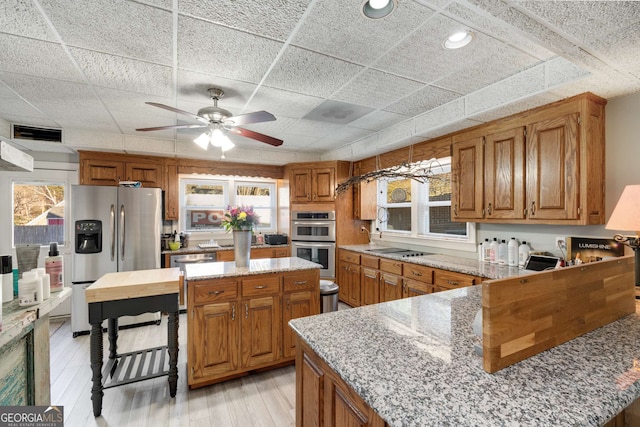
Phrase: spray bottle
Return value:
(53, 267)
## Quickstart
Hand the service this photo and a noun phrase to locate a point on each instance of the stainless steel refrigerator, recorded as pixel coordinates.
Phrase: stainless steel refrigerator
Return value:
(115, 229)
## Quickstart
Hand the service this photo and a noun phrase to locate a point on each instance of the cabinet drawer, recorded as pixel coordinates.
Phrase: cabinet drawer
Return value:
(351, 257)
(415, 287)
(299, 282)
(370, 261)
(452, 280)
(281, 252)
(390, 266)
(208, 291)
(418, 272)
(266, 285)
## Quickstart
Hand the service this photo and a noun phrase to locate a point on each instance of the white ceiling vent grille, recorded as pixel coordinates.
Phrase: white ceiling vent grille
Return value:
(31, 133)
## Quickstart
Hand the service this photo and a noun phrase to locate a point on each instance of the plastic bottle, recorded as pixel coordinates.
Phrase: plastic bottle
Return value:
(523, 253)
(512, 252)
(480, 251)
(28, 289)
(486, 246)
(493, 251)
(6, 278)
(53, 267)
(502, 253)
(176, 236)
(46, 282)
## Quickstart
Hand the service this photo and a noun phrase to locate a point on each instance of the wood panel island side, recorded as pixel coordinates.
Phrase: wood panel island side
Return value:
(238, 317)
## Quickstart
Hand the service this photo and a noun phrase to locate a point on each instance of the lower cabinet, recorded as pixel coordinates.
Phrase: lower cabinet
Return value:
(256, 253)
(370, 280)
(324, 399)
(390, 287)
(349, 282)
(236, 325)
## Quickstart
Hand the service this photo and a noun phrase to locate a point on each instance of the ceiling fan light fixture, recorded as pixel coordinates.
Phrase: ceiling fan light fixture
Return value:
(458, 39)
(203, 140)
(376, 9)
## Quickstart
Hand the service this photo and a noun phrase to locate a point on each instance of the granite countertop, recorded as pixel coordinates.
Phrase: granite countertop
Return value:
(412, 360)
(17, 319)
(446, 262)
(217, 270)
(199, 250)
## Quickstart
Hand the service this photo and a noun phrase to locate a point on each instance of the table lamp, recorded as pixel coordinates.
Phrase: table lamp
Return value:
(626, 217)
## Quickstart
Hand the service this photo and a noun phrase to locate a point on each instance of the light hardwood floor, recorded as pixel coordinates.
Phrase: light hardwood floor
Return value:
(265, 399)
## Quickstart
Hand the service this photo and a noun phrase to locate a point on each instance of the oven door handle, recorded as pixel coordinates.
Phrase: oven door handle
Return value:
(315, 223)
(313, 244)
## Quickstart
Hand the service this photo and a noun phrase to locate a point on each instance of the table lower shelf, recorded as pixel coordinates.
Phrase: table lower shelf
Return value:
(136, 366)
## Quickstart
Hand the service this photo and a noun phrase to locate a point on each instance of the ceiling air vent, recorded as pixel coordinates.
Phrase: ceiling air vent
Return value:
(37, 134)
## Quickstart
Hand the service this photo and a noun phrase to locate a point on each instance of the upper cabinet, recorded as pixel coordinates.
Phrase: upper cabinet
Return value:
(542, 166)
(313, 184)
(110, 169)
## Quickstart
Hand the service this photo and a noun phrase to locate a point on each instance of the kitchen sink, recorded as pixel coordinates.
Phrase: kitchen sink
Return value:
(404, 253)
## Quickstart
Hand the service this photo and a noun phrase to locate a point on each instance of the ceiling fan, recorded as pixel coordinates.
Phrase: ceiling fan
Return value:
(216, 119)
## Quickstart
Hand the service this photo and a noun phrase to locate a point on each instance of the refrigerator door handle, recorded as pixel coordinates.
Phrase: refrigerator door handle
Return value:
(122, 231)
(112, 220)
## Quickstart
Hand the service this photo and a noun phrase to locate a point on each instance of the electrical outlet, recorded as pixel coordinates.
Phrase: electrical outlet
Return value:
(363, 229)
(561, 243)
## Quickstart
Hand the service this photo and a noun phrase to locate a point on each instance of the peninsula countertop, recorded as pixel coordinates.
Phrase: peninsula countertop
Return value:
(217, 270)
(445, 262)
(413, 362)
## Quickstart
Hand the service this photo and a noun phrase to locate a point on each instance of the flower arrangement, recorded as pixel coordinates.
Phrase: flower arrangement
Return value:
(239, 218)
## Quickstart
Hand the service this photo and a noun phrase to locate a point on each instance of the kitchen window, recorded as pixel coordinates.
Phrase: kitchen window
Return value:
(204, 202)
(408, 208)
(38, 212)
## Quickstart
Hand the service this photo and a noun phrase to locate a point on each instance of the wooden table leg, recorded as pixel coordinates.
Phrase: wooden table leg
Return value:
(113, 337)
(96, 368)
(172, 343)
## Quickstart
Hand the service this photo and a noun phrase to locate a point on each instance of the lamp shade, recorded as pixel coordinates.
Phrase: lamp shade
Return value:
(626, 214)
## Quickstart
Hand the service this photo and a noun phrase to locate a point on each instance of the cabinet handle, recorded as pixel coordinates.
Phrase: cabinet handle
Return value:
(370, 277)
(451, 282)
(489, 209)
(216, 292)
(390, 283)
(533, 207)
(415, 273)
(246, 311)
(233, 312)
(300, 282)
(288, 301)
(455, 210)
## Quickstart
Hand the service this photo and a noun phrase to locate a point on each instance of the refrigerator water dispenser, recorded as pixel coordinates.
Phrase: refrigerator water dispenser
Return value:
(88, 236)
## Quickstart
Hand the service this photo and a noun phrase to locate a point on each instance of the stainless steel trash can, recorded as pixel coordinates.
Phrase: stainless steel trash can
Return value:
(328, 296)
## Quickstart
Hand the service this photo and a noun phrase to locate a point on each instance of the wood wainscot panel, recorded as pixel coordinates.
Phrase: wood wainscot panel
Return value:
(525, 315)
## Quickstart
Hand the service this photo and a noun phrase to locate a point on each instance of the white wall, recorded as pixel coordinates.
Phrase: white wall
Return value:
(43, 172)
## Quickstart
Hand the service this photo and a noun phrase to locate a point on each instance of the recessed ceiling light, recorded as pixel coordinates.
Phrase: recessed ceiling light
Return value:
(376, 9)
(458, 40)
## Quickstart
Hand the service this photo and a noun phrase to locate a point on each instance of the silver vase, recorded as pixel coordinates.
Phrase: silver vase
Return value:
(242, 247)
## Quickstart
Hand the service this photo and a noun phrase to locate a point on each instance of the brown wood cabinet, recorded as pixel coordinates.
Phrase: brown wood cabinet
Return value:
(349, 278)
(370, 286)
(324, 399)
(110, 169)
(545, 165)
(390, 287)
(171, 191)
(365, 201)
(313, 184)
(235, 325)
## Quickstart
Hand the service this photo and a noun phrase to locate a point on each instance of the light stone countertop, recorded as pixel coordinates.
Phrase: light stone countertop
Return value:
(229, 247)
(446, 262)
(217, 270)
(412, 360)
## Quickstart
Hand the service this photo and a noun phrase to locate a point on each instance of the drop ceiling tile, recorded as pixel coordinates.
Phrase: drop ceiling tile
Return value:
(423, 100)
(378, 120)
(193, 87)
(30, 121)
(22, 18)
(517, 107)
(37, 90)
(283, 102)
(560, 71)
(123, 73)
(166, 4)
(344, 136)
(434, 4)
(421, 55)
(376, 89)
(299, 70)
(134, 102)
(140, 144)
(118, 27)
(129, 121)
(265, 18)
(500, 64)
(298, 141)
(44, 146)
(492, 7)
(87, 139)
(522, 85)
(203, 46)
(36, 58)
(535, 30)
(312, 128)
(274, 128)
(620, 49)
(605, 85)
(396, 133)
(438, 117)
(449, 128)
(18, 107)
(338, 28)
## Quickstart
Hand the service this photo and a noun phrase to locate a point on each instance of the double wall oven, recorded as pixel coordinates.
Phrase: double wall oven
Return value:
(313, 237)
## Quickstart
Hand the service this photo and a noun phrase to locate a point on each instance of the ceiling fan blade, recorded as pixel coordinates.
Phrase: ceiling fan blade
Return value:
(177, 110)
(172, 127)
(247, 119)
(257, 136)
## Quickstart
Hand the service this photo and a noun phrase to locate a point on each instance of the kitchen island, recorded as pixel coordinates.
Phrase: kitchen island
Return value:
(411, 362)
(237, 317)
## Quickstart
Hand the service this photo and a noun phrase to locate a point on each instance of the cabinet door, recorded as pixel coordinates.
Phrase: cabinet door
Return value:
(101, 172)
(323, 184)
(504, 175)
(414, 288)
(370, 285)
(310, 381)
(297, 304)
(343, 408)
(553, 173)
(355, 288)
(343, 277)
(452, 280)
(467, 180)
(213, 340)
(171, 191)
(260, 331)
(300, 185)
(149, 174)
(390, 287)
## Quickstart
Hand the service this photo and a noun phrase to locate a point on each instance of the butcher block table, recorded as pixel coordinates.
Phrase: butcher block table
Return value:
(130, 293)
